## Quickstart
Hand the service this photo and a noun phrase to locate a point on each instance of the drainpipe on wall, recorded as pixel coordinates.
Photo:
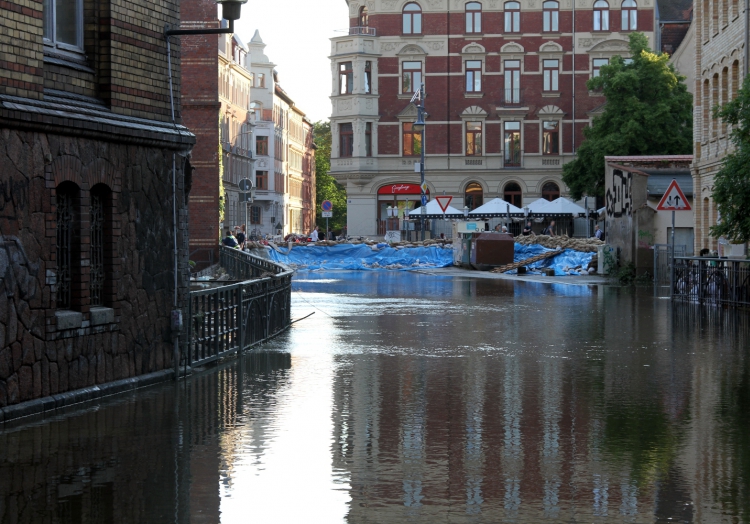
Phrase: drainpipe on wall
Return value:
(747, 35)
(574, 77)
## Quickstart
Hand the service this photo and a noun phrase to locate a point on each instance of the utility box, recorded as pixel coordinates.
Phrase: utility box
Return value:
(490, 250)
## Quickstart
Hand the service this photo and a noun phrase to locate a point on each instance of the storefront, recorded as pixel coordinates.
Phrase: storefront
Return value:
(404, 197)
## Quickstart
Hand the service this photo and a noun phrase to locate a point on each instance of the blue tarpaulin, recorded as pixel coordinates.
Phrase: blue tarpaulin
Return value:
(364, 257)
(361, 256)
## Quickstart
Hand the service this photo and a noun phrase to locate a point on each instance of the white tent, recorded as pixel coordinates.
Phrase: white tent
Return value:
(561, 206)
(496, 206)
(536, 204)
(433, 208)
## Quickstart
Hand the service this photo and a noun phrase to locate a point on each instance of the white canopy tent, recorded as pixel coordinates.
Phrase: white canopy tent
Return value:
(560, 206)
(433, 210)
(496, 207)
(538, 203)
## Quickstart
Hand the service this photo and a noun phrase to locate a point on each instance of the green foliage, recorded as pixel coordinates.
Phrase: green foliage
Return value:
(625, 275)
(648, 112)
(326, 187)
(732, 183)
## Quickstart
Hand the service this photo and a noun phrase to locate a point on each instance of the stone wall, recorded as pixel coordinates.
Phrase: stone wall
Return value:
(44, 351)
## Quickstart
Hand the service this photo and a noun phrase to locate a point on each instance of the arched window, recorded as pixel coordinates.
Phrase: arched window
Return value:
(512, 193)
(412, 19)
(68, 245)
(364, 17)
(551, 11)
(724, 96)
(629, 15)
(474, 196)
(512, 17)
(473, 17)
(706, 109)
(550, 191)
(601, 16)
(714, 103)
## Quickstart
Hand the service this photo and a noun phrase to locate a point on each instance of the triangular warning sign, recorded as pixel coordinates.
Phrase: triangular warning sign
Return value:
(673, 199)
(443, 201)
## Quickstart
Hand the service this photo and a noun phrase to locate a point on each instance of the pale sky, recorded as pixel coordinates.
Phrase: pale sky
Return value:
(297, 36)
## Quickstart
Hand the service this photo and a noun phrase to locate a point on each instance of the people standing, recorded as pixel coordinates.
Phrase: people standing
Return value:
(598, 233)
(549, 230)
(229, 239)
(240, 235)
(314, 234)
(527, 229)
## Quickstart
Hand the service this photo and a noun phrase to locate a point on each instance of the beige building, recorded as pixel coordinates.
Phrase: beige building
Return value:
(720, 65)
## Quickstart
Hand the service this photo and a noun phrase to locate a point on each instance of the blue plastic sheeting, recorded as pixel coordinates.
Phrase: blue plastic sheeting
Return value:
(361, 256)
(569, 258)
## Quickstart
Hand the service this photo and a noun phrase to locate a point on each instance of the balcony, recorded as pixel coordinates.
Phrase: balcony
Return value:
(363, 30)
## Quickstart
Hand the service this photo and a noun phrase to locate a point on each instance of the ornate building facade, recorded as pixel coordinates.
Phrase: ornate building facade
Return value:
(720, 65)
(506, 97)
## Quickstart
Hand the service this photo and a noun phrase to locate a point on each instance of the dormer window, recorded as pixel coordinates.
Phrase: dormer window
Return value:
(412, 19)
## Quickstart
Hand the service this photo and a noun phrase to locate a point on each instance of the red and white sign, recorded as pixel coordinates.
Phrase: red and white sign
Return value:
(673, 199)
(444, 201)
(401, 189)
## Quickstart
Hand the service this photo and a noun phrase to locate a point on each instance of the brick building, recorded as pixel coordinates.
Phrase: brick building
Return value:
(505, 110)
(720, 65)
(91, 261)
(285, 167)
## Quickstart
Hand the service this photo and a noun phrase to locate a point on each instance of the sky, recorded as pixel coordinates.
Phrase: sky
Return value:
(297, 36)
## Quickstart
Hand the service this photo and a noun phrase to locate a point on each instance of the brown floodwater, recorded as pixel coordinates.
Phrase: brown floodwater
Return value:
(418, 398)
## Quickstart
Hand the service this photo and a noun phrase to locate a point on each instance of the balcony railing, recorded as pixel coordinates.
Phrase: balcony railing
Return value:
(363, 30)
(512, 97)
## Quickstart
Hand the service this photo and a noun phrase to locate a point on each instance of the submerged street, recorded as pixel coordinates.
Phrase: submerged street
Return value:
(408, 397)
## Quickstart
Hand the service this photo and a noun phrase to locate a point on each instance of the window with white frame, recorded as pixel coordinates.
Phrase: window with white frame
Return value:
(598, 63)
(473, 17)
(512, 81)
(411, 77)
(551, 137)
(63, 25)
(473, 76)
(512, 143)
(551, 16)
(346, 78)
(368, 77)
(473, 138)
(551, 70)
(512, 17)
(601, 15)
(629, 15)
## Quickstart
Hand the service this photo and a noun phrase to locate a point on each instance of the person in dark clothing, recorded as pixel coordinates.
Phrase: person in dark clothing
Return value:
(527, 230)
(229, 239)
(240, 236)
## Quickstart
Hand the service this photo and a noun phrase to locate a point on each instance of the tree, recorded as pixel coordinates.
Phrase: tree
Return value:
(732, 183)
(648, 112)
(326, 187)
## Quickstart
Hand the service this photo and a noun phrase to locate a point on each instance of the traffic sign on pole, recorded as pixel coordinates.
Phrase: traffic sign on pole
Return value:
(673, 199)
(443, 201)
(245, 184)
(326, 205)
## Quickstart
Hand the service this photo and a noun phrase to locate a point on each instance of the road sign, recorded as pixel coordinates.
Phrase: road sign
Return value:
(327, 214)
(245, 184)
(326, 205)
(424, 200)
(443, 201)
(423, 187)
(673, 199)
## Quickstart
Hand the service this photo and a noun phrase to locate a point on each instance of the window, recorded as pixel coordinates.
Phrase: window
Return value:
(261, 145)
(473, 138)
(412, 140)
(550, 191)
(412, 19)
(473, 17)
(411, 77)
(473, 76)
(368, 77)
(512, 143)
(551, 138)
(512, 17)
(255, 215)
(346, 140)
(63, 24)
(601, 16)
(551, 12)
(474, 196)
(100, 205)
(261, 180)
(598, 63)
(512, 81)
(551, 72)
(368, 139)
(512, 194)
(68, 248)
(629, 15)
(346, 78)
(261, 80)
(364, 17)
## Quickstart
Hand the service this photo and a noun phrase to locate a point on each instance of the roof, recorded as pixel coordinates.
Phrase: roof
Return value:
(673, 10)
(433, 209)
(672, 36)
(650, 158)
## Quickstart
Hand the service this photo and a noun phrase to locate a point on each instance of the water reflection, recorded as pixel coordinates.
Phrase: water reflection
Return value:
(415, 398)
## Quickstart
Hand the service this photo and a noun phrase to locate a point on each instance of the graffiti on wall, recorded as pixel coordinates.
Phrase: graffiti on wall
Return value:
(619, 196)
(645, 239)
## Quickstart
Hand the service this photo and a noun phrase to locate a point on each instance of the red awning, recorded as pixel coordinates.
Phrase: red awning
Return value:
(401, 189)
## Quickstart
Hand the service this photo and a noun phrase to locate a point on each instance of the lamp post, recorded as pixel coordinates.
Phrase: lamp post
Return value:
(466, 212)
(230, 10)
(419, 127)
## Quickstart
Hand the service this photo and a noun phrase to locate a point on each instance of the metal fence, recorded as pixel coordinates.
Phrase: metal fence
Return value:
(713, 281)
(663, 266)
(232, 318)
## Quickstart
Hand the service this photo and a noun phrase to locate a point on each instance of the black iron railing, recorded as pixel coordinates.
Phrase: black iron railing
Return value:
(712, 281)
(235, 317)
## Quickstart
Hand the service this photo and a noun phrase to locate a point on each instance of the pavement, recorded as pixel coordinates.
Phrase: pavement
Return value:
(585, 280)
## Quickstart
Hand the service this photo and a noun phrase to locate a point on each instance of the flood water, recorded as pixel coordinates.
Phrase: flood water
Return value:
(415, 398)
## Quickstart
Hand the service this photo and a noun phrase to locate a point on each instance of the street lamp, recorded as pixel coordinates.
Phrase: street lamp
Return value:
(466, 212)
(230, 10)
(419, 127)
